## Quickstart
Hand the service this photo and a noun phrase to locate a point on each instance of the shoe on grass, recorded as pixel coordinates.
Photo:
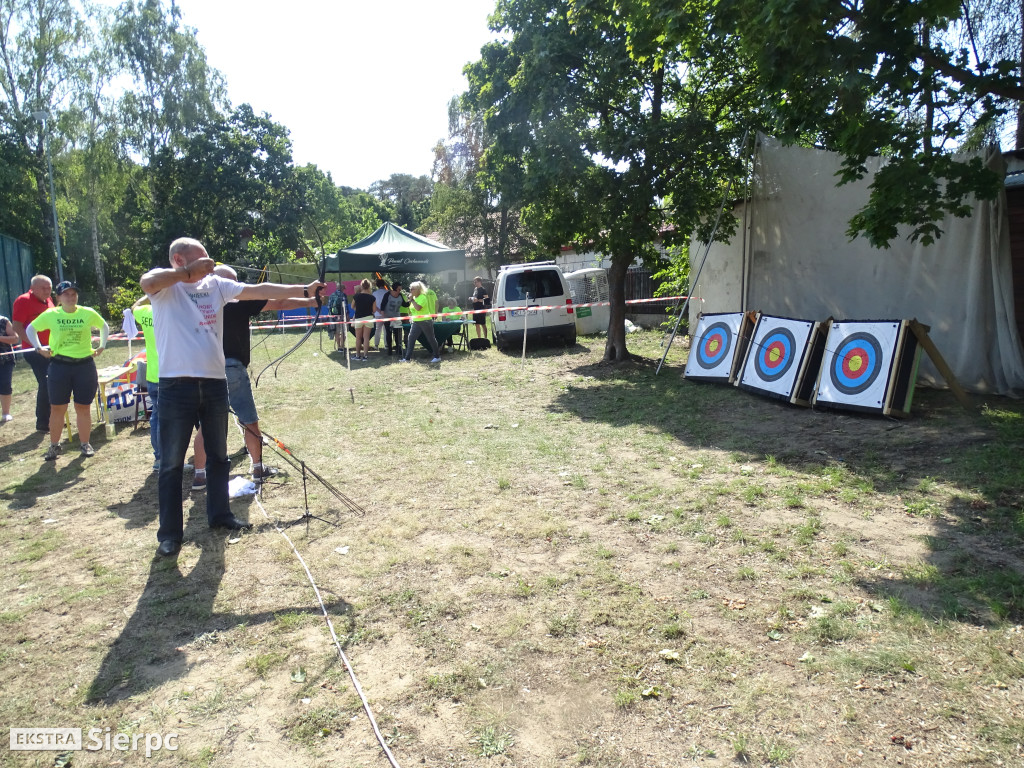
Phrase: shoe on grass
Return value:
(87, 450)
(436, 360)
(5, 418)
(199, 481)
(53, 452)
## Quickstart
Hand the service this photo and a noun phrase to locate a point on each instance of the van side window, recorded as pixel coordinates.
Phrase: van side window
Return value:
(541, 283)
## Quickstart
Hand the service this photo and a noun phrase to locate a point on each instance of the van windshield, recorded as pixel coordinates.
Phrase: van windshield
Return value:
(538, 283)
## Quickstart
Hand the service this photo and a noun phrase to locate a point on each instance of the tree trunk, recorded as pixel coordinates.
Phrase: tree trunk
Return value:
(46, 218)
(1020, 104)
(615, 348)
(101, 283)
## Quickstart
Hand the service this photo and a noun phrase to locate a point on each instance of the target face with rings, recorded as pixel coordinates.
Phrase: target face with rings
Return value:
(714, 346)
(775, 356)
(714, 349)
(856, 363)
(776, 351)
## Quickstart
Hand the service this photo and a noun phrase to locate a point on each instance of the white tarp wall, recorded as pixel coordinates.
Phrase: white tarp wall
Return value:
(801, 264)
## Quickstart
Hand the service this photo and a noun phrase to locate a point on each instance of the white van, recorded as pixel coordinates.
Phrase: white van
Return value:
(533, 296)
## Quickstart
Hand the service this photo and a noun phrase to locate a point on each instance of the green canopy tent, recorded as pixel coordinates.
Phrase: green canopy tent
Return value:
(393, 249)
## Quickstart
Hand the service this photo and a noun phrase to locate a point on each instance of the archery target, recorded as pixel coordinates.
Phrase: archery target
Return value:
(776, 351)
(858, 361)
(714, 347)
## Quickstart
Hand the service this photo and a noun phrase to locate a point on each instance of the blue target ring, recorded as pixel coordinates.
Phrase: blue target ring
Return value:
(856, 363)
(775, 355)
(714, 345)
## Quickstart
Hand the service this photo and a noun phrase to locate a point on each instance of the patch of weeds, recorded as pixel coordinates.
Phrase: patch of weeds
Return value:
(633, 516)
(579, 481)
(754, 493)
(671, 548)
(793, 501)
(840, 548)
(831, 629)
(878, 661)
(777, 752)
(723, 521)
(922, 508)
(699, 594)
(561, 626)
(490, 741)
(741, 537)
(806, 533)
(454, 685)
(746, 573)
(39, 546)
(205, 757)
(625, 698)
(805, 571)
(286, 622)
(522, 588)
(604, 553)
(210, 705)
(315, 725)
(673, 630)
(741, 748)
(504, 484)
(707, 538)
(262, 663)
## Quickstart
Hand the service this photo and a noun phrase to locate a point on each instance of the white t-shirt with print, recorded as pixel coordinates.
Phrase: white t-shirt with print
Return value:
(189, 326)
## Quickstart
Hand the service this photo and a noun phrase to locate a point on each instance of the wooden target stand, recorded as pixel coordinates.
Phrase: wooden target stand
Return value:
(783, 358)
(719, 346)
(872, 366)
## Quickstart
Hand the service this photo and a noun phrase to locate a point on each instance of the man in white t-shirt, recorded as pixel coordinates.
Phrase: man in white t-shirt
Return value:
(378, 295)
(187, 301)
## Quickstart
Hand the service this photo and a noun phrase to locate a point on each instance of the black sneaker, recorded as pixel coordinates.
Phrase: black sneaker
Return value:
(199, 482)
(55, 450)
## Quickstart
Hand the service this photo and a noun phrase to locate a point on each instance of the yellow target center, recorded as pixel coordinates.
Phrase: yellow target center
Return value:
(774, 355)
(856, 362)
(713, 346)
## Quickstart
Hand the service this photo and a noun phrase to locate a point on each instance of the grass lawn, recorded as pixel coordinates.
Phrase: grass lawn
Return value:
(558, 563)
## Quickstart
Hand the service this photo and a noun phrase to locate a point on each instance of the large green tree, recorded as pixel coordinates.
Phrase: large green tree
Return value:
(408, 196)
(464, 207)
(228, 184)
(41, 47)
(608, 131)
(904, 79)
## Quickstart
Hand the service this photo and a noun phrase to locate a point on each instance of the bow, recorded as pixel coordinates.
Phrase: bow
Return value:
(321, 274)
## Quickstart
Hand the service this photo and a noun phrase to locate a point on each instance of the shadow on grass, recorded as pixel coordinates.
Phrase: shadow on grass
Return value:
(974, 571)
(173, 611)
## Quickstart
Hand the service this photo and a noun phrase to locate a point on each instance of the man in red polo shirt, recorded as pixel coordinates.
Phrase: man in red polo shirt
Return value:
(27, 308)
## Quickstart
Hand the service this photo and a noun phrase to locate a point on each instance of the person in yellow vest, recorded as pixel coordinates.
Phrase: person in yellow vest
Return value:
(422, 304)
(72, 370)
(451, 306)
(142, 310)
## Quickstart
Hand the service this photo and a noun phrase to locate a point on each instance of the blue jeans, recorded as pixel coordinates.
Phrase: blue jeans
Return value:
(40, 365)
(153, 391)
(182, 401)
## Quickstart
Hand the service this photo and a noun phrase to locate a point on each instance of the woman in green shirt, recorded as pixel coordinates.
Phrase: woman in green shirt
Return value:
(72, 369)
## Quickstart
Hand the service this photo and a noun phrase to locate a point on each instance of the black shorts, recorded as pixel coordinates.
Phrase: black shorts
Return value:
(480, 318)
(64, 379)
(6, 376)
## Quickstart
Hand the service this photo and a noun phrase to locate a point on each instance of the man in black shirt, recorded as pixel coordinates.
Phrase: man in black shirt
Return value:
(236, 364)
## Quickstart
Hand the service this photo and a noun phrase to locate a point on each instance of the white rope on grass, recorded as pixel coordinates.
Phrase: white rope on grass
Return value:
(334, 636)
